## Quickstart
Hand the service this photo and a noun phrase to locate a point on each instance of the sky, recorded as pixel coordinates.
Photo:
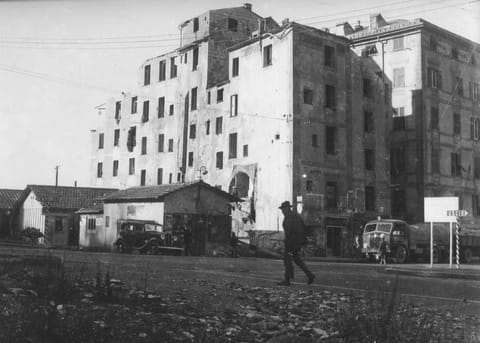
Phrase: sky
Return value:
(59, 60)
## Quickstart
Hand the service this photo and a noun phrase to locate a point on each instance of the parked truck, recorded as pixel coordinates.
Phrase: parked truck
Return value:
(410, 242)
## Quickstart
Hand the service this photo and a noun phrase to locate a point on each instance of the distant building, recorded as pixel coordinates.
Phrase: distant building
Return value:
(8, 199)
(264, 112)
(51, 209)
(434, 77)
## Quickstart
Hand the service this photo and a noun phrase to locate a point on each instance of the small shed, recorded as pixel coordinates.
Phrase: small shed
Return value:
(51, 209)
(8, 199)
(202, 207)
(91, 227)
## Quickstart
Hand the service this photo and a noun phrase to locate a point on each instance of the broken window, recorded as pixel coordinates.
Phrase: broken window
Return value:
(131, 166)
(146, 80)
(132, 138)
(162, 73)
(267, 55)
(232, 145)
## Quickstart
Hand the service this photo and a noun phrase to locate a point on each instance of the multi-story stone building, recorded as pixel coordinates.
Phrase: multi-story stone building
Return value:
(434, 77)
(267, 112)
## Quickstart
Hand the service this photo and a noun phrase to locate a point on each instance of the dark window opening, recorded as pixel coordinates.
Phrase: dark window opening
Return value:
(99, 169)
(146, 80)
(159, 176)
(367, 88)
(209, 97)
(369, 159)
(369, 198)
(331, 195)
(118, 108)
(329, 54)
(190, 159)
(397, 161)
(195, 59)
(131, 166)
(232, 24)
(245, 151)
(115, 168)
(267, 55)
(456, 124)
(100, 140)
(194, 99)
(309, 186)
(307, 96)
(144, 145)
(143, 176)
(219, 160)
(173, 68)
(235, 67)
(218, 125)
(161, 142)
(434, 78)
(232, 145)
(315, 141)
(132, 138)
(456, 164)
(134, 104)
(146, 110)
(196, 24)
(116, 137)
(170, 145)
(330, 140)
(435, 160)
(193, 131)
(161, 107)
(170, 110)
(162, 73)
(330, 96)
(219, 95)
(368, 121)
(434, 118)
(207, 127)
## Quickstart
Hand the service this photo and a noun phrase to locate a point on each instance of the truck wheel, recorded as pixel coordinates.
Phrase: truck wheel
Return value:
(467, 255)
(401, 254)
(154, 249)
(436, 255)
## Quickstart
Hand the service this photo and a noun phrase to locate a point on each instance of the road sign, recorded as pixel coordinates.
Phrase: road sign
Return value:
(457, 213)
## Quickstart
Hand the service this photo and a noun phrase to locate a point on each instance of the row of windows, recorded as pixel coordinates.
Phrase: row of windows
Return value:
(456, 124)
(330, 96)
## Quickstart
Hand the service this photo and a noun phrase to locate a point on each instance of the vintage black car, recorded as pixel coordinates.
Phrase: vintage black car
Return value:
(146, 237)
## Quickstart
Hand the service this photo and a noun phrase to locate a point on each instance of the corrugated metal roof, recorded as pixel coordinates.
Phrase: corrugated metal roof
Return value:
(8, 197)
(157, 193)
(67, 198)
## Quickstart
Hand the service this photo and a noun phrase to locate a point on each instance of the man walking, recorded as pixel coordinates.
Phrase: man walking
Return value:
(295, 237)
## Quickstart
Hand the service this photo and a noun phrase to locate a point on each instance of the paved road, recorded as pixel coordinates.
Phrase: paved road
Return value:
(453, 295)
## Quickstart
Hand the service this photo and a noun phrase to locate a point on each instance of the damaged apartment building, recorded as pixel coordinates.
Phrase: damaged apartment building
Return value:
(264, 111)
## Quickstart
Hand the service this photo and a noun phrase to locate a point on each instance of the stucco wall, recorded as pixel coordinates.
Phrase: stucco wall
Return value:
(31, 214)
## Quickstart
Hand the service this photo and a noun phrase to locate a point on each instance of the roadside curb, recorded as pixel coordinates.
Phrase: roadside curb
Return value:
(465, 275)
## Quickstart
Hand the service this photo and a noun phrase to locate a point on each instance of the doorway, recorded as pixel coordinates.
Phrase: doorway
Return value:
(334, 240)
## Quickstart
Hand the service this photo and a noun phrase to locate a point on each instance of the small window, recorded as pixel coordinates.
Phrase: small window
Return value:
(245, 151)
(91, 224)
(219, 160)
(234, 105)
(173, 68)
(434, 78)
(232, 24)
(115, 168)
(315, 141)
(100, 140)
(434, 118)
(196, 24)
(330, 138)
(144, 145)
(474, 129)
(159, 176)
(459, 86)
(134, 104)
(235, 67)
(209, 97)
(307, 96)
(118, 109)
(398, 77)
(330, 97)
(329, 54)
(132, 138)
(232, 145)
(170, 145)
(146, 80)
(267, 55)
(161, 142)
(369, 159)
(116, 137)
(162, 73)
(194, 99)
(170, 110)
(161, 107)
(170, 178)
(218, 125)
(195, 59)
(143, 176)
(131, 166)
(190, 159)
(368, 121)
(207, 127)
(219, 95)
(398, 44)
(456, 124)
(193, 131)
(146, 110)
(99, 169)
(369, 198)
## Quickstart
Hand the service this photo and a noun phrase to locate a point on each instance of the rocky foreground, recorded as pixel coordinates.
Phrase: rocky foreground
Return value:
(41, 303)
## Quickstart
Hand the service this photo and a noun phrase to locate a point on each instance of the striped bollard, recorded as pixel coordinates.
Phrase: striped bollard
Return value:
(458, 246)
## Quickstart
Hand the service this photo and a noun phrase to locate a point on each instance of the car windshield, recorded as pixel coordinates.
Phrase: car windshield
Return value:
(153, 227)
(383, 227)
(370, 227)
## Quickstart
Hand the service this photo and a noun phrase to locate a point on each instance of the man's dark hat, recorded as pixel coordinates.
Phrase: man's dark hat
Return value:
(285, 204)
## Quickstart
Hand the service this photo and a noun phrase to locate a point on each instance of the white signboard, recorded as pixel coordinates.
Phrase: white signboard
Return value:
(436, 209)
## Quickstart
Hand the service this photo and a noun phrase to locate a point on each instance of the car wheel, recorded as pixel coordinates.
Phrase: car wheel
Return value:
(467, 255)
(121, 248)
(401, 254)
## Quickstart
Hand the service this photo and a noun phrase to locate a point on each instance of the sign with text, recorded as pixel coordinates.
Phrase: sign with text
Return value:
(436, 209)
(457, 213)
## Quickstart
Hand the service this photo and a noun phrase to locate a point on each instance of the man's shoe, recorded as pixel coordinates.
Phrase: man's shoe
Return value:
(311, 278)
(284, 283)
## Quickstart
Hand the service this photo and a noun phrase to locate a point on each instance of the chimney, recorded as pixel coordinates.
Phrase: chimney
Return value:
(376, 21)
(247, 6)
(285, 22)
(344, 29)
(326, 29)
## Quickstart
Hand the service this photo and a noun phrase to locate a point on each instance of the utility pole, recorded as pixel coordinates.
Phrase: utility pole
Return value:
(56, 175)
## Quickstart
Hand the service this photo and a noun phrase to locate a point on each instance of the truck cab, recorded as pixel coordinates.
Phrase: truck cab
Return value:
(395, 233)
